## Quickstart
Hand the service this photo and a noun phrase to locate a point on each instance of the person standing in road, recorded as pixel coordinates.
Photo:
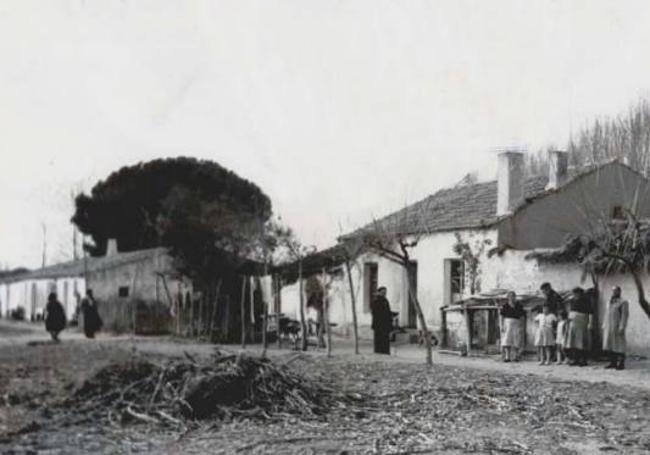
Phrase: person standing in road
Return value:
(580, 324)
(91, 320)
(54, 317)
(614, 326)
(511, 314)
(382, 321)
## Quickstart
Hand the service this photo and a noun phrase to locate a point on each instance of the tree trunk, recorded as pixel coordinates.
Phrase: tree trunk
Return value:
(215, 309)
(303, 326)
(265, 321)
(326, 310)
(641, 293)
(278, 290)
(210, 306)
(251, 294)
(423, 324)
(227, 319)
(353, 299)
(191, 324)
(201, 307)
(242, 309)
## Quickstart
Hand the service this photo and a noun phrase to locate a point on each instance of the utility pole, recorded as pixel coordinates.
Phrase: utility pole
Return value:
(44, 262)
(75, 253)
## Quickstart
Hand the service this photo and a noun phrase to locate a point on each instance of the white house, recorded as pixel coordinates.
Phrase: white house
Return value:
(115, 278)
(506, 219)
(30, 289)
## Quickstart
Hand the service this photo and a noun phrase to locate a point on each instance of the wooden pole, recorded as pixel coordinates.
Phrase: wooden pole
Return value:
(303, 326)
(215, 311)
(468, 327)
(191, 325)
(353, 298)
(252, 302)
(326, 313)
(423, 324)
(242, 309)
(265, 321)
(277, 283)
(201, 309)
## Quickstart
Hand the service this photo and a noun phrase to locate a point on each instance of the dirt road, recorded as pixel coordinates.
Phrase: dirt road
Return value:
(457, 406)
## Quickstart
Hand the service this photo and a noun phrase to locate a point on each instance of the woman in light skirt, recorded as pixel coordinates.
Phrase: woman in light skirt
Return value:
(511, 314)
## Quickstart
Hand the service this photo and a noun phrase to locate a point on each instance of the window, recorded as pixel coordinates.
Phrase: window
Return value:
(123, 291)
(457, 276)
(454, 273)
(370, 272)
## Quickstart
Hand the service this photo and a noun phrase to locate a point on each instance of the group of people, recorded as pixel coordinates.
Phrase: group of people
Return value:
(55, 317)
(563, 329)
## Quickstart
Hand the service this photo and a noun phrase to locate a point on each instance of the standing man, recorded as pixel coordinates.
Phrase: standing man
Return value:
(614, 330)
(382, 321)
(580, 324)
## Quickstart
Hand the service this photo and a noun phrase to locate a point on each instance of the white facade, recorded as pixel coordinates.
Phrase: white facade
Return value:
(429, 254)
(31, 294)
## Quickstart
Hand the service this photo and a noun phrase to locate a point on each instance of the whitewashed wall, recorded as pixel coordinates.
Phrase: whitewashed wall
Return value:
(31, 294)
(430, 254)
(513, 271)
(638, 327)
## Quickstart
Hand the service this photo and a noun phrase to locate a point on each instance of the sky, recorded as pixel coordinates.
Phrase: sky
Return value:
(340, 111)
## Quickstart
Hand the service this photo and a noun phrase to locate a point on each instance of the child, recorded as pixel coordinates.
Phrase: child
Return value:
(560, 340)
(545, 336)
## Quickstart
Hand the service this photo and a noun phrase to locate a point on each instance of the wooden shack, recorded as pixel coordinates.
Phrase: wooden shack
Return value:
(471, 326)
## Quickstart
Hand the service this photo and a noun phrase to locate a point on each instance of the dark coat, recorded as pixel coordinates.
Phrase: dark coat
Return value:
(92, 321)
(55, 316)
(382, 318)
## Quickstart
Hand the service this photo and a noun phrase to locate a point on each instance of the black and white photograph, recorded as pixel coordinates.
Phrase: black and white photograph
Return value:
(324, 227)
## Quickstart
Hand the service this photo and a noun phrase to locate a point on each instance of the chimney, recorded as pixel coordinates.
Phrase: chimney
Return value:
(111, 247)
(510, 181)
(558, 164)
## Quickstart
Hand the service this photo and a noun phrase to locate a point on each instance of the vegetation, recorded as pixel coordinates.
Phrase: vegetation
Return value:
(622, 246)
(205, 213)
(626, 137)
(471, 253)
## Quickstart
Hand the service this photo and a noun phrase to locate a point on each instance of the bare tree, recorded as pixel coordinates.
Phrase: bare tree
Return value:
(352, 248)
(617, 246)
(296, 252)
(394, 237)
(326, 283)
(242, 311)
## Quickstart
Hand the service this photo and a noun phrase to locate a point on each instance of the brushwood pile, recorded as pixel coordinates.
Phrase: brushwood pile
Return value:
(225, 387)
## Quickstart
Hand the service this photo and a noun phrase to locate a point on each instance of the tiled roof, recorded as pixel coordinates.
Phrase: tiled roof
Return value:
(462, 207)
(76, 268)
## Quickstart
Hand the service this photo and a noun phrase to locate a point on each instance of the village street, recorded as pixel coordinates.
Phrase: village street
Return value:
(459, 405)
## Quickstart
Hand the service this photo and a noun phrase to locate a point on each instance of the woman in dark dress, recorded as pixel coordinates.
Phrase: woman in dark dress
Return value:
(91, 320)
(54, 316)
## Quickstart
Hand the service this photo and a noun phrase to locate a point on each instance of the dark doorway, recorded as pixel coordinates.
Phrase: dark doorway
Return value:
(370, 272)
(413, 286)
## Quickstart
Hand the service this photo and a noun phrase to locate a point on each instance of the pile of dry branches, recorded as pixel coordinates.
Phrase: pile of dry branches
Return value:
(227, 387)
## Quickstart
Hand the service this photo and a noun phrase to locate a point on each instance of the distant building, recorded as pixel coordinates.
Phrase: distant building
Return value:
(126, 285)
(139, 284)
(29, 290)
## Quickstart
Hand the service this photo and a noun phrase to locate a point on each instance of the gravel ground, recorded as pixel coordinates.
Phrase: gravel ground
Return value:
(410, 408)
